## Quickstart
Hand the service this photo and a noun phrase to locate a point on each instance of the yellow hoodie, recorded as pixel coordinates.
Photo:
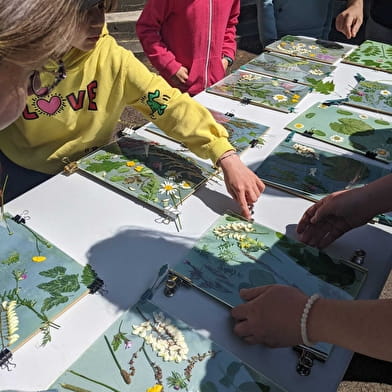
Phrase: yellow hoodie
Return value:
(80, 114)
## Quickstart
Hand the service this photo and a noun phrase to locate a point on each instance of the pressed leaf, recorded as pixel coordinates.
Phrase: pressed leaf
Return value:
(53, 301)
(63, 284)
(88, 275)
(54, 272)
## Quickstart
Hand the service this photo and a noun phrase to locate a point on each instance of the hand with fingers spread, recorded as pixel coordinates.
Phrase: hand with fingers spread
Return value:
(342, 211)
(350, 20)
(243, 185)
(271, 315)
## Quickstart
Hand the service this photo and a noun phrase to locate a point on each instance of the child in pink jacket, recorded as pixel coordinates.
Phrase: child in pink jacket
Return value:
(190, 42)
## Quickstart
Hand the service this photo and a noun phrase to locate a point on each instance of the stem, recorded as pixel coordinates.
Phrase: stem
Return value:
(94, 381)
(113, 355)
(73, 388)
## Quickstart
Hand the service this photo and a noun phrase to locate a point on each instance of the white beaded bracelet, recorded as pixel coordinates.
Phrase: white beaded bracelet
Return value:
(304, 319)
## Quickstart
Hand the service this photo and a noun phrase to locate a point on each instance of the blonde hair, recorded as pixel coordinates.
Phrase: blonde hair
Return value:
(31, 31)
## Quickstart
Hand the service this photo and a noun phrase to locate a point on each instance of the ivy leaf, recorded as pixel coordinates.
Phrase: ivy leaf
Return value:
(53, 301)
(54, 272)
(63, 284)
(88, 275)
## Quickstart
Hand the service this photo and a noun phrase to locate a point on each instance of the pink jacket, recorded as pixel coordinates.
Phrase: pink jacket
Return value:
(193, 33)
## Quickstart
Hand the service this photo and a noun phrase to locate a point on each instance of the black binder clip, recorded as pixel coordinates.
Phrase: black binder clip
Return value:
(358, 256)
(253, 143)
(228, 114)
(5, 359)
(22, 218)
(96, 286)
(371, 154)
(245, 101)
(308, 132)
(305, 361)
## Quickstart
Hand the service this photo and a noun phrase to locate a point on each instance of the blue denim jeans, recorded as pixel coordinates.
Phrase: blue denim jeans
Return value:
(19, 179)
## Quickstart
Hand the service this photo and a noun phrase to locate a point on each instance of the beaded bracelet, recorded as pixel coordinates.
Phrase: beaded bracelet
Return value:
(227, 156)
(304, 319)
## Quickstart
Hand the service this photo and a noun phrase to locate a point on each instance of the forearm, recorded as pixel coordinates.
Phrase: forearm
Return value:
(361, 326)
(378, 195)
(354, 3)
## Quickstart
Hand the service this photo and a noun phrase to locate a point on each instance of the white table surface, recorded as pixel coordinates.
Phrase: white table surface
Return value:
(125, 244)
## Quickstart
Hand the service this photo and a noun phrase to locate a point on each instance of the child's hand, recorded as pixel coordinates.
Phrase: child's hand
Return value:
(225, 63)
(182, 75)
(349, 21)
(242, 184)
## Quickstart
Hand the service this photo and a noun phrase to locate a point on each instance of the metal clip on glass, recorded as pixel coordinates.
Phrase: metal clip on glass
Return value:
(173, 282)
(307, 355)
(5, 359)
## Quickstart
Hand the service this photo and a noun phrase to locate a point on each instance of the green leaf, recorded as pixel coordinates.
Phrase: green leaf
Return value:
(350, 126)
(381, 122)
(344, 112)
(11, 259)
(310, 115)
(318, 132)
(54, 272)
(53, 301)
(63, 284)
(356, 98)
(88, 275)
(320, 86)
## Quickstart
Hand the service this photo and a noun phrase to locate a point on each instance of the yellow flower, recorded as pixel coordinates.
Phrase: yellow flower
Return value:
(139, 168)
(312, 55)
(131, 163)
(298, 125)
(155, 388)
(294, 100)
(296, 96)
(38, 259)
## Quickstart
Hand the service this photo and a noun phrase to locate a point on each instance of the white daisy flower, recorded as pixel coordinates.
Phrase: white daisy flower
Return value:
(280, 98)
(336, 138)
(385, 93)
(168, 187)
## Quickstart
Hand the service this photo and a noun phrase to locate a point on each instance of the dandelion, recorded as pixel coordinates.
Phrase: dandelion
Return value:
(168, 188)
(280, 98)
(155, 388)
(138, 168)
(337, 138)
(38, 259)
(131, 163)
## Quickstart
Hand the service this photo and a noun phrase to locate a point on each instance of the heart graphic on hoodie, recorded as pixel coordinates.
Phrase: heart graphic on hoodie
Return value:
(50, 106)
